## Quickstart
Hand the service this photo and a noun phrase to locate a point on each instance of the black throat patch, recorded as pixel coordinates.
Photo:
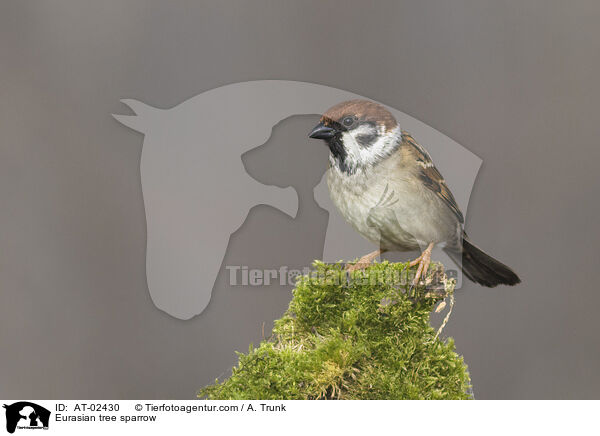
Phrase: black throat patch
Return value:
(339, 153)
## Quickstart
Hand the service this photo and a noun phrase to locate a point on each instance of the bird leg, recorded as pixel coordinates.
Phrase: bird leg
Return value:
(423, 261)
(364, 261)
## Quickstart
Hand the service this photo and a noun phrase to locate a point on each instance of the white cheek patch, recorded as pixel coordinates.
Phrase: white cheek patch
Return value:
(366, 129)
(359, 155)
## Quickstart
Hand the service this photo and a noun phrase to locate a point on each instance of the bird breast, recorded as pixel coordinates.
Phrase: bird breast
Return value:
(389, 207)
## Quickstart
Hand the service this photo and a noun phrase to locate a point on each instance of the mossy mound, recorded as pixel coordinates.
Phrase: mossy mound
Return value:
(366, 337)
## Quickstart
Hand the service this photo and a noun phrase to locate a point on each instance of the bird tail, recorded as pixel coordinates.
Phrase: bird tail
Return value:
(480, 267)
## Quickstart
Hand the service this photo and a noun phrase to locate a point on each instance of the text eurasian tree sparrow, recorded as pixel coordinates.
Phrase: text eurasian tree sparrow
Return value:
(387, 187)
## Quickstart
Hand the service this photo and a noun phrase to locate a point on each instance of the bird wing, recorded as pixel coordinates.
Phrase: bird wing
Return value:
(429, 174)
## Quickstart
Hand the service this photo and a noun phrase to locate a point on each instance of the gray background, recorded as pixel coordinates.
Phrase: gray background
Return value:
(515, 82)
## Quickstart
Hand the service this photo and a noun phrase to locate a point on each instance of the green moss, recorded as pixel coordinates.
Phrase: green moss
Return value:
(364, 338)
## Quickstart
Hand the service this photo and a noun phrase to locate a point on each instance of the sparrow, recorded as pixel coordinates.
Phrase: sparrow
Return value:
(386, 186)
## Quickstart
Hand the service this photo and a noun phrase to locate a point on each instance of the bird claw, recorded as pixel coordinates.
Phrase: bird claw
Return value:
(357, 266)
(364, 261)
(423, 261)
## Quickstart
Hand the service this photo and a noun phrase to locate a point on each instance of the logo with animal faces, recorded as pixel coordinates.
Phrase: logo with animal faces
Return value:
(25, 415)
(198, 191)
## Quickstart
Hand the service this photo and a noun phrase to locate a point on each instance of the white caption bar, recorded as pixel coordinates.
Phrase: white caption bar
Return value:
(298, 417)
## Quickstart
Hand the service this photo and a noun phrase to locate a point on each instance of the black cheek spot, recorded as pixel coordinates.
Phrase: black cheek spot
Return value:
(366, 140)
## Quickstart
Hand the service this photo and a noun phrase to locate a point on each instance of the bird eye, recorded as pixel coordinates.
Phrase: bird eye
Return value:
(348, 121)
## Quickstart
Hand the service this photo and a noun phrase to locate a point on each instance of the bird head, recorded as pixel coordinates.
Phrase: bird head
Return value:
(359, 134)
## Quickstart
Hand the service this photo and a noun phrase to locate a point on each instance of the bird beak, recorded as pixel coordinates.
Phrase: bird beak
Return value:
(322, 131)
